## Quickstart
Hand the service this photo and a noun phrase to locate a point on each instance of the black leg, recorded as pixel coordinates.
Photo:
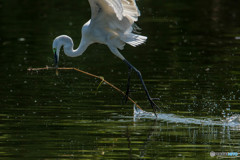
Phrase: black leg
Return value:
(154, 106)
(128, 86)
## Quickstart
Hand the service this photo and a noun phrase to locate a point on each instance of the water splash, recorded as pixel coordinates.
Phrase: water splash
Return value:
(233, 121)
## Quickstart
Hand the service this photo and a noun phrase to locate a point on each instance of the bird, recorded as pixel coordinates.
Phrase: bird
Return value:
(113, 24)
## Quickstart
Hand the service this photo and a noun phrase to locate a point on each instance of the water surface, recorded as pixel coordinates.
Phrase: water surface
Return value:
(190, 61)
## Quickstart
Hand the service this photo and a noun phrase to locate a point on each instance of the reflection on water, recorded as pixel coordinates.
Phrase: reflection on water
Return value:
(190, 61)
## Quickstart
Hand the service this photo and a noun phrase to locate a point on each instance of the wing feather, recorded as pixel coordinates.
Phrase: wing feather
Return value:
(107, 6)
(130, 9)
(118, 16)
(122, 13)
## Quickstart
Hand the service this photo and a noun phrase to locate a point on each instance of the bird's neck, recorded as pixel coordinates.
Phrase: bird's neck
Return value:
(68, 46)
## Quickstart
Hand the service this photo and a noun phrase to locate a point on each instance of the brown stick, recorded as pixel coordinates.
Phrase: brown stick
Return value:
(89, 74)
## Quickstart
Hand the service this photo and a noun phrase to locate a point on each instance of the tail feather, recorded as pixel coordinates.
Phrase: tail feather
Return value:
(134, 39)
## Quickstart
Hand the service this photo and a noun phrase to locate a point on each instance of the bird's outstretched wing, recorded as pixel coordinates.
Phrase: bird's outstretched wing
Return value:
(118, 16)
(130, 9)
(121, 8)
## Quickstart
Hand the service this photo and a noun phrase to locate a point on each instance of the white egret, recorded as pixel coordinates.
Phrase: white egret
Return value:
(112, 24)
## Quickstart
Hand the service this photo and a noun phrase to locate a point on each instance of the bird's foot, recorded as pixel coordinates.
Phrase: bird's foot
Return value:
(125, 97)
(154, 106)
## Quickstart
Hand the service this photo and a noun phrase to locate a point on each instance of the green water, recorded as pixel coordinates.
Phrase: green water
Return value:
(190, 61)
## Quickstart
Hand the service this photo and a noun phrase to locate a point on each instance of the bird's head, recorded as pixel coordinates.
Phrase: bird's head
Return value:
(56, 49)
(62, 41)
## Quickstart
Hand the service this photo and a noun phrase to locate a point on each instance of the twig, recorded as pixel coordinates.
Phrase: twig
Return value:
(89, 74)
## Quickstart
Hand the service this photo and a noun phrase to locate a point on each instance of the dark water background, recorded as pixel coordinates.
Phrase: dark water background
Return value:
(190, 61)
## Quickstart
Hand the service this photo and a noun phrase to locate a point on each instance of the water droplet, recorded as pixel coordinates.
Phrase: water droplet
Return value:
(21, 39)
(6, 43)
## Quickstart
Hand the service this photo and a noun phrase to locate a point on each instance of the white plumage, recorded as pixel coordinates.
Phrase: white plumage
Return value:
(116, 19)
(112, 24)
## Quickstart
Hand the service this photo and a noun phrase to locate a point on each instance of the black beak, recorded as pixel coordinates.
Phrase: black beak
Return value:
(56, 59)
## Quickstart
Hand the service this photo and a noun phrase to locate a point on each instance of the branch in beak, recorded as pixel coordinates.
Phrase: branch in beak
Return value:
(56, 59)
